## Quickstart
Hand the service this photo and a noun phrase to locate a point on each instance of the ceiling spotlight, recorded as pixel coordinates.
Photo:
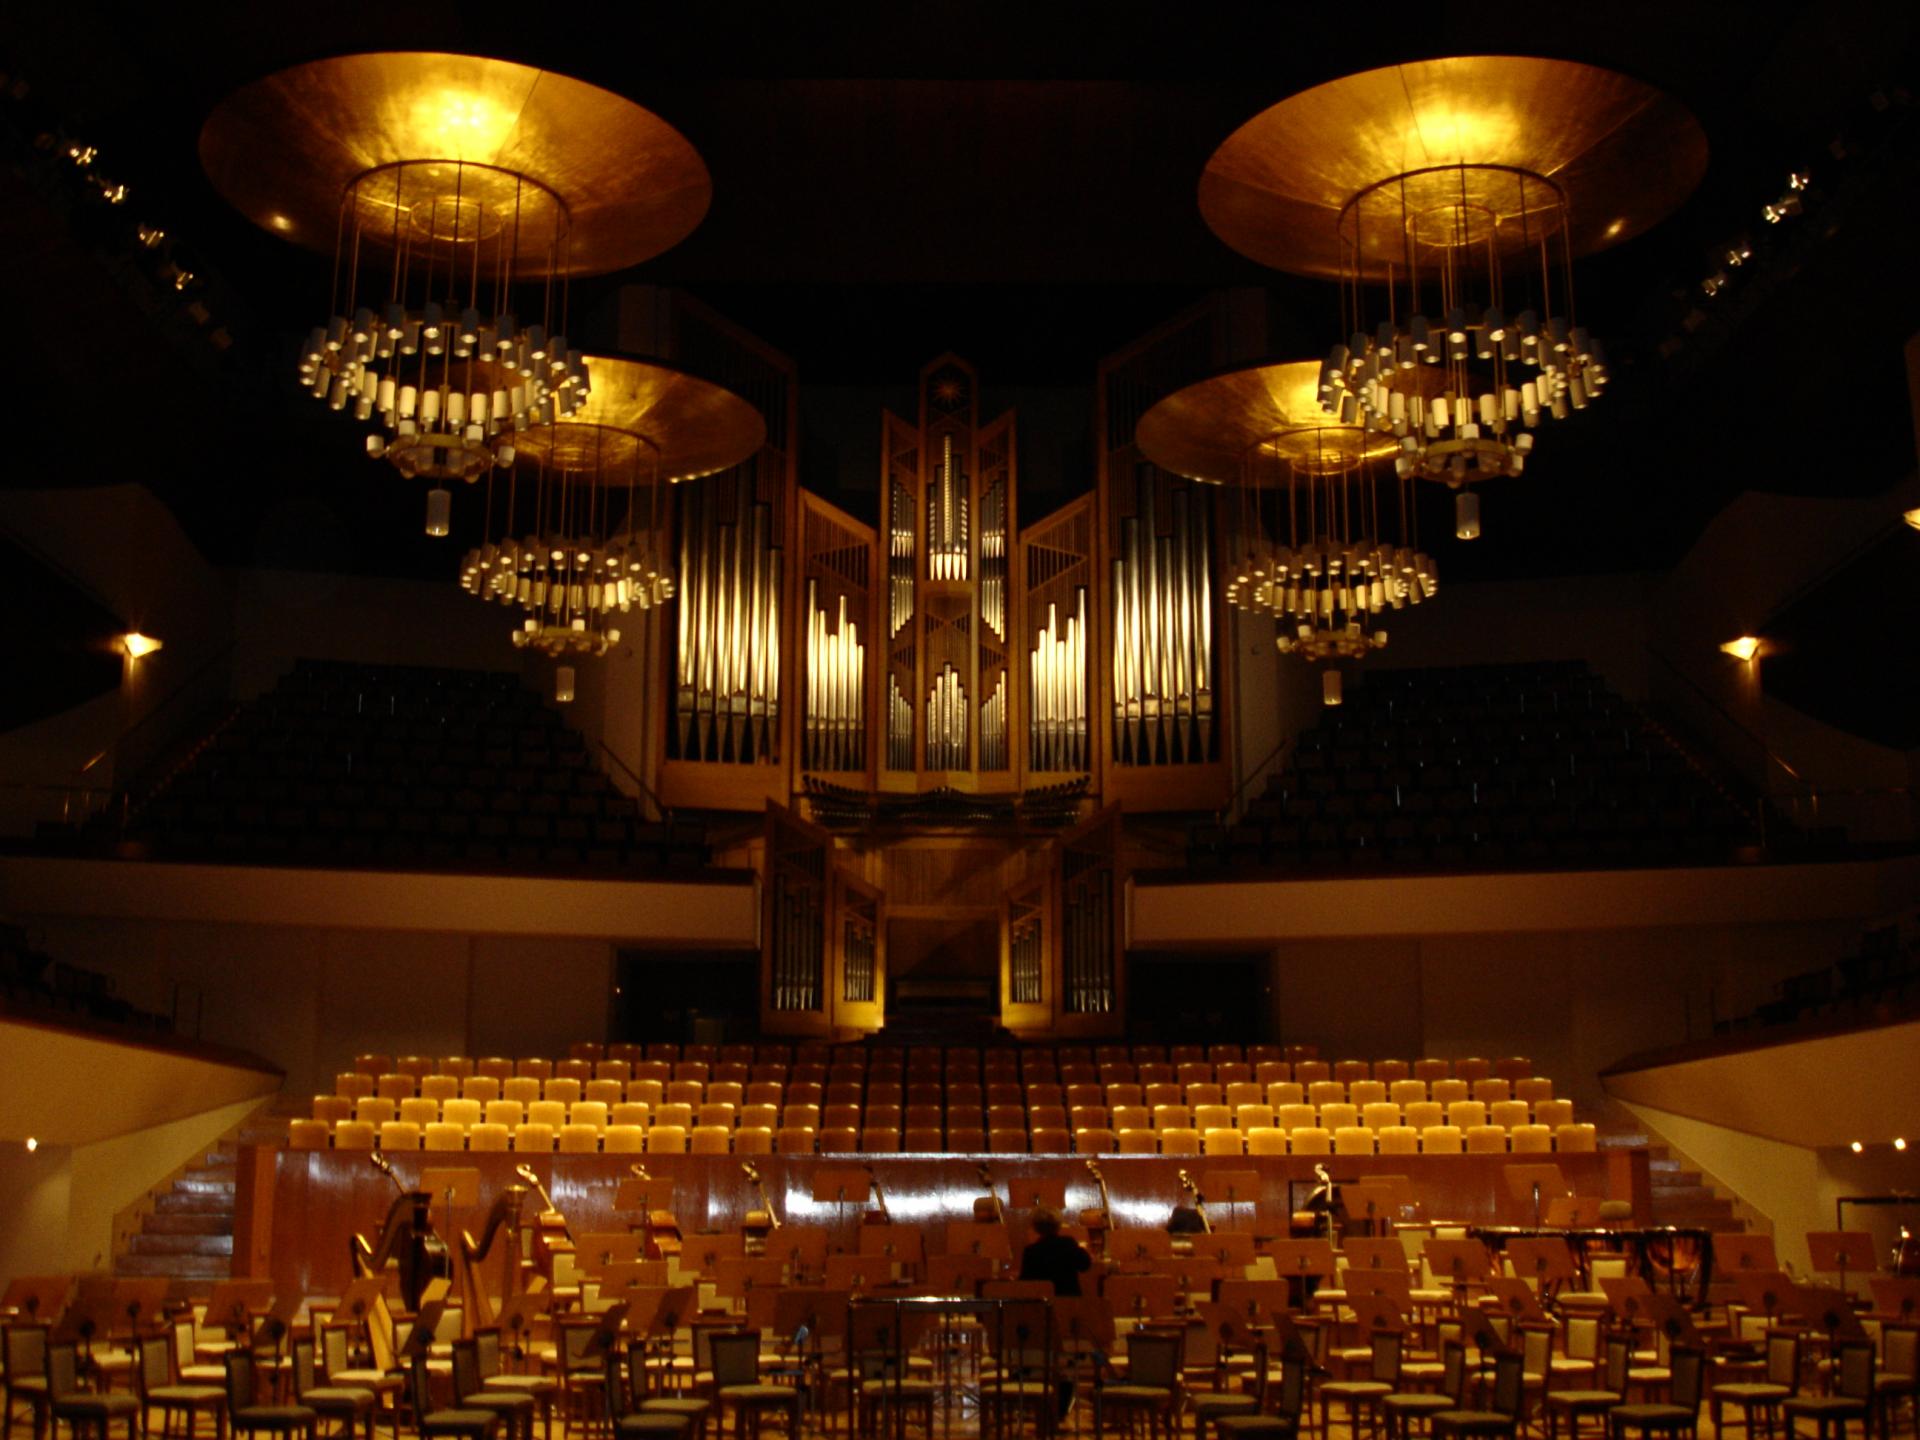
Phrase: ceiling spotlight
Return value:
(1899, 1143)
(1912, 517)
(1743, 647)
(137, 645)
(1856, 1147)
(32, 1144)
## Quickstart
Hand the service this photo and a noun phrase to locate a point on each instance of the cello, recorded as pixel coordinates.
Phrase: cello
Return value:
(1098, 1220)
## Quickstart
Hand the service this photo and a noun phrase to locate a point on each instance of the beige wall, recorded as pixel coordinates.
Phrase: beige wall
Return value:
(36, 1192)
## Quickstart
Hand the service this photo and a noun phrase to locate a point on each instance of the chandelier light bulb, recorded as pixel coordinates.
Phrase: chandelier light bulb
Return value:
(439, 511)
(1466, 516)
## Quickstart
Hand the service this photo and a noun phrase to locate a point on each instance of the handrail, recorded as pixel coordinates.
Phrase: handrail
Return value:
(175, 693)
(1227, 811)
(1766, 751)
(666, 814)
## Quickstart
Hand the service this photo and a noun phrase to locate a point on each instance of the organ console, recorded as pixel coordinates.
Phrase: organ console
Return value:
(407, 1241)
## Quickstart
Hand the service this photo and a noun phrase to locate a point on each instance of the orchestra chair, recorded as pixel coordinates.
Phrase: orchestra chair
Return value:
(1095, 1140)
(1150, 1391)
(578, 1139)
(82, 1410)
(1266, 1140)
(1363, 1398)
(1137, 1141)
(1531, 1140)
(1353, 1140)
(1506, 1404)
(307, 1135)
(667, 1140)
(159, 1389)
(1309, 1140)
(1398, 1140)
(353, 1135)
(1222, 1140)
(488, 1136)
(624, 1385)
(1403, 1407)
(418, 1111)
(1582, 1139)
(344, 1404)
(1779, 1382)
(798, 1140)
(1851, 1398)
(1486, 1140)
(399, 1135)
(247, 1416)
(429, 1423)
(1679, 1414)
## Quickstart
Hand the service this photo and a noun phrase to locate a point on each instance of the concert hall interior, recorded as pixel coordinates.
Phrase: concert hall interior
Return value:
(1382, 810)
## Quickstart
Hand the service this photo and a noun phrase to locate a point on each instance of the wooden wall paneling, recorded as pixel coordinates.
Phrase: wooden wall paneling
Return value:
(321, 1197)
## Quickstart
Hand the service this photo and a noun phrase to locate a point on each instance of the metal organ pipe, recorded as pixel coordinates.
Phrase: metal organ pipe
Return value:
(729, 661)
(836, 683)
(947, 519)
(1162, 642)
(1058, 675)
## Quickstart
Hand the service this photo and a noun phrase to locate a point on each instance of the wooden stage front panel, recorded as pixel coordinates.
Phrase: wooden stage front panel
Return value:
(317, 1199)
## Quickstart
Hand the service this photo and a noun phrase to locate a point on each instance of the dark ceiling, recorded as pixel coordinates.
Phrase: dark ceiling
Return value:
(1015, 183)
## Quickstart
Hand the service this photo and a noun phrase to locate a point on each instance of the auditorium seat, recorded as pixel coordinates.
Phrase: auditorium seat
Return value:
(721, 1115)
(353, 1135)
(1286, 1092)
(1530, 1139)
(1310, 1140)
(1296, 1117)
(1472, 1068)
(1327, 1092)
(969, 1139)
(922, 1139)
(1245, 1092)
(1431, 1069)
(578, 1139)
(521, 1089)
(1272, 1072)
(488, 1135)
(753, 1140)
(1366, 1092)
(660, 1070)
(712, 1139)
(647, 1092)
(1467, 1114)
(1398, 1140)
(464, 1113)
(532, 1067)
(1266, 1140)
(1509, 1113)
(1222, 1140)
(1095, 1140)
(439, 1088)
(685, 1092)
(1338, 1116)
(1423, 1113)
(806, 1117)
(562, 1089)
(417, 1111)
(1204, 1093)
(494, 1067)
(550, 1113)
(797, 1140)
(1533, 1089)
(1380, 1114)
(535, 1136)
(1353, 1140)
(1050, 1140)
(1348, 1071)
(1007, 1140)
(667, 1140)
(332, 1109)
(624, 1139)
(1390, 1071)
(589, 1112)
(1492, 1092)
(308, 1135)
(631, 1113)
(1486, 1139)
(1172, 1117)
(1046, 1117)
(1136, 1140)
(1553, 1113)
(442, 1136)
(604, 1092)
(1131, 1117)
(1183, 1140)
(372, 1064)
(1407, 1092)
(353, 1085)
(1311, 1072)
(1163, 1093)
(758, 1117)
(375, 1112)
(1449, 1092)
(1573, 1139)
(1442, 1140)
(1212, 1117)
(837, 1140)
(840, 1116)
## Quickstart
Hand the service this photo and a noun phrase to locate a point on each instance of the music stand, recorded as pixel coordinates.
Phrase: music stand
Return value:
(1536, 1185)
(233, 1303)
(1547, 1260)
(1365, 1252)
(703, 1253)
(1141, 1297)
(1516, 1298)
(38, 1297)
(1628, 1297)
(1735, 1253)
(738, 1276)
(1036, 1192)
(1573, 1212)
(863, 1273)
(621, 1277)
(1229, 1249)
(593, 1253)
(1392, 1285)
(516, 1319)
(1673, 1320)
(1831, 1309)
(606, 1330)
(804, 1247)
(1302, 1264)
(1193, 1275)
(1839, 1251)
(1084, 1321)
(1257, 1300)
(1376, 1312)
(1464, 1262)
(1138, 1244)
(136, 1298)
(840, 1188)
(1771, 1293)
(972, 1237)
(1232, 1188)
(897, 1244)
(1896, 1297)
(90, 1313)
(1377, 1199)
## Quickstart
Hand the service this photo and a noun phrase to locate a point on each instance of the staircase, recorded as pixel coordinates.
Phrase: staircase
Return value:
(1681, 1196)
(187, 1234)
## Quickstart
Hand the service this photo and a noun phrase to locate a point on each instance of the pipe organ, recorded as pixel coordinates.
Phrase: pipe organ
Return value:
(1057, 573)
(836, 555)
(727, 676)
(1162, 660)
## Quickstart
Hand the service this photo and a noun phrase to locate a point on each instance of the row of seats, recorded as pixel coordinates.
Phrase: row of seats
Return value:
(587, 1139)
(1106, 1063)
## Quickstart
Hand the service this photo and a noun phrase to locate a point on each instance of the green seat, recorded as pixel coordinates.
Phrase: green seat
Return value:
(1680, 1415)
(80, 1409)
(244, 1416)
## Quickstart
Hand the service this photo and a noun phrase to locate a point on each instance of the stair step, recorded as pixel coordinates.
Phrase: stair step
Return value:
(185, 1267)
(1684, 1194)
(188, 1222)
(196, 1182)
(150, 1242)
(196, 1202)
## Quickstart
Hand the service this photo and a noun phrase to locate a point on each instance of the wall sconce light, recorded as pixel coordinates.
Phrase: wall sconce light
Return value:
(138, 646)
(31, 1144)
(1743, 647)
(1912, 517)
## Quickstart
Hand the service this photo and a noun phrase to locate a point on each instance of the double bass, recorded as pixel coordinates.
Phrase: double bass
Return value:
(987, 1210)
(407, 1241)
(758, 1224)
(661, 1227)
(878, 1215)
(552, 1236)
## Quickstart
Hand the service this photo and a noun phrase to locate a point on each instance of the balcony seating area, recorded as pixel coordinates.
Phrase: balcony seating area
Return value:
(1476, 768)
(32, 981)
(1035, 1099)
(406, 766)
(1881, 977)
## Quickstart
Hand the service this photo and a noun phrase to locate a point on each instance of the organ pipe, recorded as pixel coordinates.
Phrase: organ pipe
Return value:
(993, 727)
(900, 558)
(899, 727)
(728, 668)
(1163, 640)
(947, 519)
(1057, 729)
(947, 722)
(835, 732)
(993, 558)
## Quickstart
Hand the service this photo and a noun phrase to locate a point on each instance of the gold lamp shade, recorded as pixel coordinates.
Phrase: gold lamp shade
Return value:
(284, 149)
(1621, 154)
(696, 426)
(1209, 429)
